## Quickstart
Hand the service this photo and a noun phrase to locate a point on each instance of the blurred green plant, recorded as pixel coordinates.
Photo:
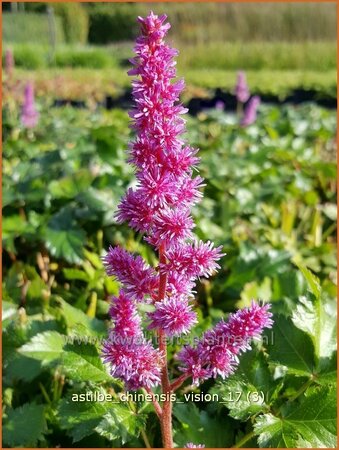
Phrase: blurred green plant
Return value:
(29, 28)
(306, 57)
(83, 57)
(319, 56)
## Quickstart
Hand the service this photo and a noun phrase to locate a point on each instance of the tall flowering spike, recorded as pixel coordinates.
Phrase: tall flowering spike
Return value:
(216, 352)
(137, 277)
(250, 113)
(160, 208)
(241, 89)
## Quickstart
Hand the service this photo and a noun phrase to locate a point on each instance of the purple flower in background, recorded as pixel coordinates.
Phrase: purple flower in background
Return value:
(191, 445)
(241, 89)
(9, 62)
(29, 114)
(250, 113)
(220, 105)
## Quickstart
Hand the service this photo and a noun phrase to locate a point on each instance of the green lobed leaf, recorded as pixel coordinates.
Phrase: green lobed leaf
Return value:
(80, 417)
(75, 274)
(45, 347)
(82, 362)
(291, 348)
(70, 186)
(199, 427)
(250, 390)
(63, 237)
(66, 244)
(22, 368)
(24, 426)
(312, 280)
(121, 423)
(9, 312)
(311, 423)
(318, 318)
(79, 322)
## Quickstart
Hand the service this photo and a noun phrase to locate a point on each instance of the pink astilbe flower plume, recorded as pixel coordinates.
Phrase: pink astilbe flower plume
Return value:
(156, 187)
(135, 212)
(172, 226)
(181, 161)
(137, 277)
(130, 356)
(9, 62)
(241, 89)
(217, 351)
(174, 315)
(195, 260)
(29, 114)
(125, 317)
(250, 113)
(159, 207)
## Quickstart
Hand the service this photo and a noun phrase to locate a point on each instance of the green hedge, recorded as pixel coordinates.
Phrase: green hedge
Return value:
(316, 56)
(90, 58)
(218, 22)
(29, 27)
(319, 56)
(29, 57)
(112, 23)
(37, 56)
(74, 20)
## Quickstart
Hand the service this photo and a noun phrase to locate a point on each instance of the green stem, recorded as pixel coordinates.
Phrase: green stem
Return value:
(243, 441)
(44, 393)
(133, 408)
(156, 405)
(145, 438)
(301, 390)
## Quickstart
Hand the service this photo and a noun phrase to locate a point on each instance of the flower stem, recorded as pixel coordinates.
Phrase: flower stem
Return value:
(145, 438)
(166, 416)
(243, 441)
(178, 382)
(156, 405)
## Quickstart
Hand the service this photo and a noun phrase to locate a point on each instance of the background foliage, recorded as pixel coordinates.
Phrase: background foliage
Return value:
(270, 200)
(232, 22)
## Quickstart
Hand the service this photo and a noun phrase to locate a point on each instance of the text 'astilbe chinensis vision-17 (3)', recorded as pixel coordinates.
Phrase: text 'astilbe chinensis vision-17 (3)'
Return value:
(160, 208)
